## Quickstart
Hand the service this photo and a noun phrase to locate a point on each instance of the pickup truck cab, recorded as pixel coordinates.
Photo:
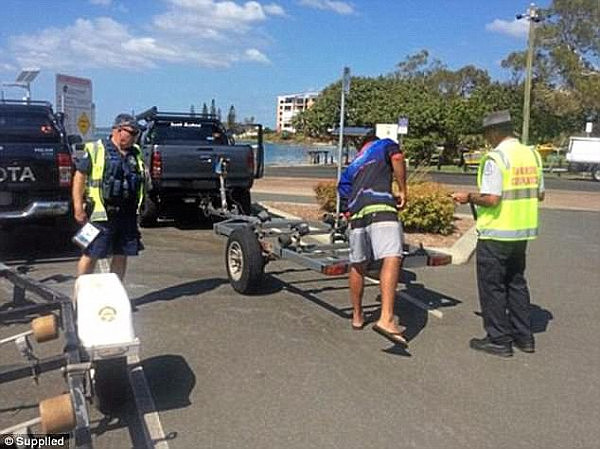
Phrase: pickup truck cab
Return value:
(180, 151)
(35, 164)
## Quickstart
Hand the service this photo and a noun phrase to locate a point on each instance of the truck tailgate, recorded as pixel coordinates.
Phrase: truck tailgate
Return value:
(26, 170)
(183, 162)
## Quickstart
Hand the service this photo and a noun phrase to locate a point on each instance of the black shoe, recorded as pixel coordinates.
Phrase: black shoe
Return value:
(525, 344)
(485, 345)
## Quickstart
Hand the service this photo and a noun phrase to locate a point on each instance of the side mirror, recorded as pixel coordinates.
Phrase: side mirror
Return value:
(60, 118)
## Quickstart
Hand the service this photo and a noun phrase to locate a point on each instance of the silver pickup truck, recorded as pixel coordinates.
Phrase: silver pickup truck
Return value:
(180, 152)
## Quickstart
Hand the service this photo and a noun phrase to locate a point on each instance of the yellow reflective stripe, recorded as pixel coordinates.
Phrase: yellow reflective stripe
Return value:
(372, 209)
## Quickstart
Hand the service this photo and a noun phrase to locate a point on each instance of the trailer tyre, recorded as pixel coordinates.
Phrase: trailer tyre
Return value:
(596, 173)
(149, 213)
(111, 385)
(244, 261)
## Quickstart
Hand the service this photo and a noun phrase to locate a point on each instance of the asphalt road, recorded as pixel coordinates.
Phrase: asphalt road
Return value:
(579, 183)
(283, 369)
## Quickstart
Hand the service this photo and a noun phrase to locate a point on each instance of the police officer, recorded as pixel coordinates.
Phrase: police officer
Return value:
(108, 188)
(510, 185)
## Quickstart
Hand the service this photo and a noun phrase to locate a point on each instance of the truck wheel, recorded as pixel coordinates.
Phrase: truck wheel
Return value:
(149, 213)
(244, 261)
(243, 199)
(111, 385)
(596, 173)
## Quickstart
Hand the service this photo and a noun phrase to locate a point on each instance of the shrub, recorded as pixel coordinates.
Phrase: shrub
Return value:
(429, 207)
(326, 195)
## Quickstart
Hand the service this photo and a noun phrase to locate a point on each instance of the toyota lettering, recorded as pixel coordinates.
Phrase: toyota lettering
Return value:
(16, 174)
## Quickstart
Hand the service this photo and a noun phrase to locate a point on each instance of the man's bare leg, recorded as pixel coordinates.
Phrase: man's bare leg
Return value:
(356, 282)
(118, 265)
(86, 265)
(388, 278)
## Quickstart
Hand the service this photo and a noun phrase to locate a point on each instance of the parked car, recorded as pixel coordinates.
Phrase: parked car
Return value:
(583, 155)
(180, 152)
(35, 165)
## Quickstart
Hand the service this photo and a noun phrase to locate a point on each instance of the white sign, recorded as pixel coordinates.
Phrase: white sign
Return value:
(588, 127)
(387, 131)
(403, 125)
(74, 98)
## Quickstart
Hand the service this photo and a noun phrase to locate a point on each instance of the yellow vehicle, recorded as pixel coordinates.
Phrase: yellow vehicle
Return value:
(473, 158)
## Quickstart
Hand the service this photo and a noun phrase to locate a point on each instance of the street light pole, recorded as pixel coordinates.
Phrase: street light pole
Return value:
(533, 17)
(345, 90)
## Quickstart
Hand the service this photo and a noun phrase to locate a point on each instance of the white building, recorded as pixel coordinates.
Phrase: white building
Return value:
(290, 105)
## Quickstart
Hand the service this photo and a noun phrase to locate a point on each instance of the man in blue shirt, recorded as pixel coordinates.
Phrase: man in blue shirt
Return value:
(365, 190)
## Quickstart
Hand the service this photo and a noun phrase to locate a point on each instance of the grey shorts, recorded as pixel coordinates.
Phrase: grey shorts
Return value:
(376, 241)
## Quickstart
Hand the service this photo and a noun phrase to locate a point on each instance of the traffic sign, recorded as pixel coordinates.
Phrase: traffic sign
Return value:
(83, 123)
(402, 125)
(346, 80)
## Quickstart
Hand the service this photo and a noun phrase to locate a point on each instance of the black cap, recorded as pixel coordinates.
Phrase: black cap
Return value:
(497, 118)
(126, 120)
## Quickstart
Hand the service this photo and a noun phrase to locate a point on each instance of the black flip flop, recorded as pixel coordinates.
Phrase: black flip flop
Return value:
(394, 337)
(358, 328)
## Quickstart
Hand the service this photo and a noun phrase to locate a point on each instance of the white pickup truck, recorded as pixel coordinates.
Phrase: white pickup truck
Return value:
(583, 155)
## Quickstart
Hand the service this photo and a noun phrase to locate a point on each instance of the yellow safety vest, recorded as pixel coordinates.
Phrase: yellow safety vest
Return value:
(516, 216)
(96, 153)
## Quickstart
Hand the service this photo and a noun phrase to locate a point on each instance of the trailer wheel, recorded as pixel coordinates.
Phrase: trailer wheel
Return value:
(57, 414)
(45, 328)
(149, 213)
(111, 385)
(244, 261)
(596, 173)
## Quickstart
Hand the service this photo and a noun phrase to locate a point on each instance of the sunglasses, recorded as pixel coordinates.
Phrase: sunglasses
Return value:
(131, 132)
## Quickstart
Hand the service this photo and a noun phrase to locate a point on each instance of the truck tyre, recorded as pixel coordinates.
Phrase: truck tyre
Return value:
(244, 200)
(244, 261)
(149, 213)
(596, 173)
(111, 389)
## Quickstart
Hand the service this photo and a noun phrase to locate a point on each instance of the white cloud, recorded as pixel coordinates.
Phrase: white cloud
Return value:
(254, 55)
(274, 10)
(4, 67)
(329, 5)
(210, 18)
(101, 2)
(516, 28)
(207, 33)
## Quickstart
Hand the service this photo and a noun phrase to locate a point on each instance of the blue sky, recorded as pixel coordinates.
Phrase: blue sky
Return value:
(174, 53)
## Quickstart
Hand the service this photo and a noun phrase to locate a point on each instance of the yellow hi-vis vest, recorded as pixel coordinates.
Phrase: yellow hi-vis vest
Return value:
(96, 153)
(516, 216)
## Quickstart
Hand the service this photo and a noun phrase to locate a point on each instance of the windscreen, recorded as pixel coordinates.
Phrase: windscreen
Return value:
(25, 125)
(182, 132)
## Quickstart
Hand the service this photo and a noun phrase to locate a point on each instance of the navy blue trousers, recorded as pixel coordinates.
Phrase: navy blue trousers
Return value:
(503, 292)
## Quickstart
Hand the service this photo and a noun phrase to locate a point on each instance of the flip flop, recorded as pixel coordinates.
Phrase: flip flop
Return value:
(394, 337)
(359, 327)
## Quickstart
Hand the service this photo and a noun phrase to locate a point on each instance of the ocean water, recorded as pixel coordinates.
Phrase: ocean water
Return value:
(284, 154)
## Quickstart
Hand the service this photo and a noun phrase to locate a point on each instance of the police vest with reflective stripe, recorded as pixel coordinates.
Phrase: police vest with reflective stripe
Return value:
(516, 216)
(97, 154)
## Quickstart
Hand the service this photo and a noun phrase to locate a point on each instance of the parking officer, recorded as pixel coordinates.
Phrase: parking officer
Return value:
(510, 185)
(109, 181)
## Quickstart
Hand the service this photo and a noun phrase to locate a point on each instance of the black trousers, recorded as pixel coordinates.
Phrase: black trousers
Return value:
(503, 292)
